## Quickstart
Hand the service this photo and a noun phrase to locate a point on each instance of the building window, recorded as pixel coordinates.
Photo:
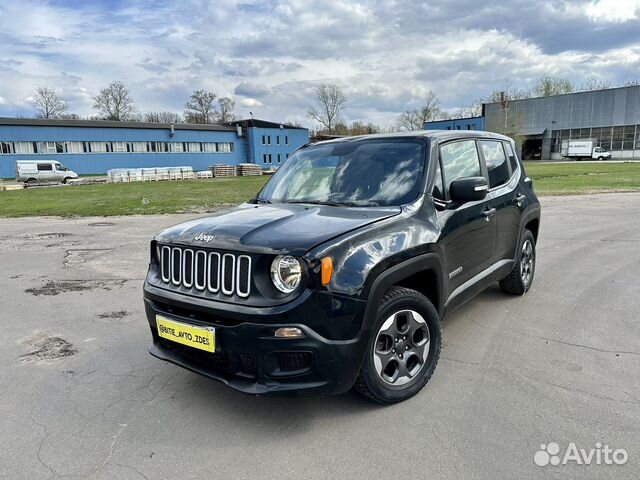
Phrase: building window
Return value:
(5, 147)
(225, 147)
(279, 158)
(209, 147)
(74, 147)
(120, 147)
(176, 147)
(139, 147)
(286, 139)
(277, 139)
(268, 139)
(23, 147)
(194, 147)
(264, 158)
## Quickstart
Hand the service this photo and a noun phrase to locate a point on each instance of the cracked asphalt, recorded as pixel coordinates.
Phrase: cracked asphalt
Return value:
(81, 397)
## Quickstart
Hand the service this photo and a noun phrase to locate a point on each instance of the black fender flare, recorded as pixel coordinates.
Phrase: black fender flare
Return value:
(396, 273)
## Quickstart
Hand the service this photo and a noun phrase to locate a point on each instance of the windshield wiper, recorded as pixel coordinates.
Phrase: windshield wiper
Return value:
(262, 200)
(318, 202)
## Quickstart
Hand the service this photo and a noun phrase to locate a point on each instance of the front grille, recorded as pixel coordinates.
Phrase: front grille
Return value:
(203, 270)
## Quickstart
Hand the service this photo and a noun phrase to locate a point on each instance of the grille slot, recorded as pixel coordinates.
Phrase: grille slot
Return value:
(202, 270)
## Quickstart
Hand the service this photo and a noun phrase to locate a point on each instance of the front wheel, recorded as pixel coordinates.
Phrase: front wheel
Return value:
(520, 279)
(404, 349)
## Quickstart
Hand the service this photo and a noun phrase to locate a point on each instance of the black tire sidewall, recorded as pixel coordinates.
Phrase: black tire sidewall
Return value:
(527, 235)
(385, 392)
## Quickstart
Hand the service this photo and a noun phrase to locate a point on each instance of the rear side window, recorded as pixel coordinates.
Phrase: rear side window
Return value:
(512, 156)
(496, 162)
(459, 159)
(43, 167)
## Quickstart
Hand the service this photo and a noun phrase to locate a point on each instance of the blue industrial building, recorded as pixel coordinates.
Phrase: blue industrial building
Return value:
(95, 146)
(469, 123)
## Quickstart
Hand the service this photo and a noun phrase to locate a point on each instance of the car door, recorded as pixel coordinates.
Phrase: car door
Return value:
(504, 198)
(45, 172)
(466, 233)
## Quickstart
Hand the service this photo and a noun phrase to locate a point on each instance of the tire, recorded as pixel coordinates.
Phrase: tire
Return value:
(30, 182)
(67, 181)
(600, 159)
(407, 321)
(519, 280)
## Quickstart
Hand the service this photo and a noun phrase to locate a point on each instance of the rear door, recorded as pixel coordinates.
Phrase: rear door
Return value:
(504, 198)
(466, 233)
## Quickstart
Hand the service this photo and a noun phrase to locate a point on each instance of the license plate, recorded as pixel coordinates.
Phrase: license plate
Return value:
(190, 335)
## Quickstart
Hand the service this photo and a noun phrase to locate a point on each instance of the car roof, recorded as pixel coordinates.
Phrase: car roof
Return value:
(440, 135)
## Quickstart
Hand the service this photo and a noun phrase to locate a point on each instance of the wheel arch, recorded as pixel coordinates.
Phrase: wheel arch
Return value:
(422, 273)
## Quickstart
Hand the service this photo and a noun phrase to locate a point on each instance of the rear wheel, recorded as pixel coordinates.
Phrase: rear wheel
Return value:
(404, 349)
(30, 182)
(520, 279)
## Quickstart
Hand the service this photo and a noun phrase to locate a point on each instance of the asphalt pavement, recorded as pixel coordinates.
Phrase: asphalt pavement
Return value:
(80, 395)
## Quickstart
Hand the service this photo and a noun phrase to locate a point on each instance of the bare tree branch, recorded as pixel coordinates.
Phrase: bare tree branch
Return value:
(225, 109)
(114, 102)
(416, 118)
(48, 104)
(201, 107)
(329, 101)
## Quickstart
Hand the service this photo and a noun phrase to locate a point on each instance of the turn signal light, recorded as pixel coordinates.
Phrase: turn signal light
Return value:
(326, 270)
(289, 332)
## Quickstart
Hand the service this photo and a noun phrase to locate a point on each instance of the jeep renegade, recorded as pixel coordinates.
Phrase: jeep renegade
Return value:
(338, 273)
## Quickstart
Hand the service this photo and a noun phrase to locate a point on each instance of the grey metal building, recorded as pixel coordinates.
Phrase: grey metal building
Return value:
(610, 117)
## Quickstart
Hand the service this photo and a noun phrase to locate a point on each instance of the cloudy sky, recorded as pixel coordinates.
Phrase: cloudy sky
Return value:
(269, 55)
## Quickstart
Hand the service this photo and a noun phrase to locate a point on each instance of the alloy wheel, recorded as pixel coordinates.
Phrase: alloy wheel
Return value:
(401, 347)
(526, 262)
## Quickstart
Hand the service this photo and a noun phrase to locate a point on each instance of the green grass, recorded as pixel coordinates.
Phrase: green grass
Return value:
(127, 198)
(582, 178)
(209, 195)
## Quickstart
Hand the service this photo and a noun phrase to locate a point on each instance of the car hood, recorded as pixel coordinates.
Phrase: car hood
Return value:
(290, 228)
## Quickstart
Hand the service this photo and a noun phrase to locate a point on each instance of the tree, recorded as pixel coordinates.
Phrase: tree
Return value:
(548, 86)
(201, 107)
(161, 117)
(594, 83)
(225, 109)
(48, 104)
(329, 103)
(114, 102)
(416, 118)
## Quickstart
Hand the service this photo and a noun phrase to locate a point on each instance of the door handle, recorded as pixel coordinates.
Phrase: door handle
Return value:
(487, 214)
(519, 200)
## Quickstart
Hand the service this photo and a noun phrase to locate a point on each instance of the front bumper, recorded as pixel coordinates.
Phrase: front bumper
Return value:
(249, 358)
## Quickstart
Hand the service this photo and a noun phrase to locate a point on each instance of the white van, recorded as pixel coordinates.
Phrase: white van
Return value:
(43, 171)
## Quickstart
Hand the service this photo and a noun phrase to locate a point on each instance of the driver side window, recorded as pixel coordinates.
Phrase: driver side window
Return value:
(459, 159)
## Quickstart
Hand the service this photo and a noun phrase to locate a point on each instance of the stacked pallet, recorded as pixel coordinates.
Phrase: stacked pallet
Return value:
(223, 170)
(249, 169)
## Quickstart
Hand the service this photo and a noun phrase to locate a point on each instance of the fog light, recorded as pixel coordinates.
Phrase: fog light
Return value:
(289, 332)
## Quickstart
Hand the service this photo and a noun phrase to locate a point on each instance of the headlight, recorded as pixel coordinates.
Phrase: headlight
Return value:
(286, 273)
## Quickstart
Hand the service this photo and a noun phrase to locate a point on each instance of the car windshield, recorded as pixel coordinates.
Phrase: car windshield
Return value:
(351, 173)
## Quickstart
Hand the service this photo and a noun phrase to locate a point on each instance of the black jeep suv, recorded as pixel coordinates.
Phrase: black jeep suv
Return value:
(338, 273)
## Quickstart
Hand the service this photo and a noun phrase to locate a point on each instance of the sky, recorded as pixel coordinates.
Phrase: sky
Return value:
(270, 55)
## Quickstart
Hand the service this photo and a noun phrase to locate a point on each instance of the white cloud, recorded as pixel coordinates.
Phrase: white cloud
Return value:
(2, 101)
(616, 11)
(250, 102)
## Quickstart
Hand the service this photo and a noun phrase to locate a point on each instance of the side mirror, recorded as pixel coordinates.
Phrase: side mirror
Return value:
(468, 189)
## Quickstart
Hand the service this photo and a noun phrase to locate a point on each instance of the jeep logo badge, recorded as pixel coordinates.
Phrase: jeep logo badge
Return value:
(204, 238)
